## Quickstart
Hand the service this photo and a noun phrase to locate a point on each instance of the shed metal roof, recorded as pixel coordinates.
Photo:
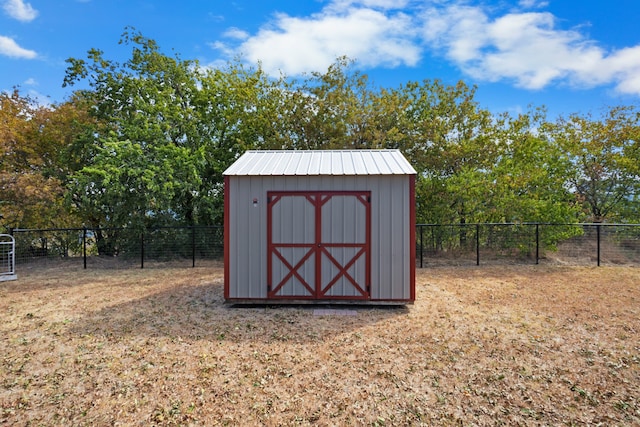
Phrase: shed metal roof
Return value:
(321, 162)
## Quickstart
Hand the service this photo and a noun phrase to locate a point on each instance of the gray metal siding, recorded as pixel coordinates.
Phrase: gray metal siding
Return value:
(390, 230)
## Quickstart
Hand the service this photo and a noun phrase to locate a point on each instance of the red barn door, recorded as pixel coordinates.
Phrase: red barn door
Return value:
(319, 245)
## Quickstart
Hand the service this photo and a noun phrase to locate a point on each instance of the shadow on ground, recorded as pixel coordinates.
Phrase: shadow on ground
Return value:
(198, 312)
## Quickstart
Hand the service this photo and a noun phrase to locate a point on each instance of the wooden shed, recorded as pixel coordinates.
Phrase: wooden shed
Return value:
(319, 227)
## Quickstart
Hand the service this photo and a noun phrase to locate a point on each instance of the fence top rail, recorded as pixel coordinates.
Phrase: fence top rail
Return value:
(188, 227)
(43, 230)
(578, 224)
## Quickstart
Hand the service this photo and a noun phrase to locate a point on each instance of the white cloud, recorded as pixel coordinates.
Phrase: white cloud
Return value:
(224, 48)
(296, 45)
(460, 30)
(8, 47)
(18, 9)
(528, 49)
(236, 33)
(533, 4)
(339, 5)
(623, 66)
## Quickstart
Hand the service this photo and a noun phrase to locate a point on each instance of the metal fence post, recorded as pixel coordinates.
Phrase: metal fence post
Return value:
(537, 243)
(434, 244)
(84, 246)
(598, 244)
(421, 246)
(193, 246)
(477, 244)
(142, 249)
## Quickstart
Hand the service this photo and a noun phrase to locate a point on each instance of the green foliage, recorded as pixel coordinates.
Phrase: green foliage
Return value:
(450, 141)
(174, 126)
(528, 182)
(130, 185)
(31, 191)
(331, 110)
(605, 176)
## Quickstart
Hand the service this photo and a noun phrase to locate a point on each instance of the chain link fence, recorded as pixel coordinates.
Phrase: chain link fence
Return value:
(436, 244)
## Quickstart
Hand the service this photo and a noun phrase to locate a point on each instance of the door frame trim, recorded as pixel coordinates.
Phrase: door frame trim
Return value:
(319, 199)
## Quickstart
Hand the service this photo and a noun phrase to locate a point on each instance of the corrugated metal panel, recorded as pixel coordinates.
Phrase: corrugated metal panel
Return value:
(321, 162)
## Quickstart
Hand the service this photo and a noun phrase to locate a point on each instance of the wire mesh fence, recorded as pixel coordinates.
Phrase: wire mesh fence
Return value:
(436, 244)
(530, 243)
(121, 247)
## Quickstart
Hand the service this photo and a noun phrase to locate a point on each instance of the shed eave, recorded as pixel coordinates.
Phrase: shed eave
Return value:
(321, 163)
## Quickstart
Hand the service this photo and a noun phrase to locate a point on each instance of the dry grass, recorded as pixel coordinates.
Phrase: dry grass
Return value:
(481, 346)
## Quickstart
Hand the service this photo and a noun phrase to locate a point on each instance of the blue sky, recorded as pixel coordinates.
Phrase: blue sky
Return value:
(566, 55)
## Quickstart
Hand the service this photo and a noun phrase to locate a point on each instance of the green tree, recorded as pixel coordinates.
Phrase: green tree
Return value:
(31, 191)
(239, 109)
(171, 112)
(147, 101)
(451, 142)
(330, 110)
(529, 178)
(605, 176)
(130, 186)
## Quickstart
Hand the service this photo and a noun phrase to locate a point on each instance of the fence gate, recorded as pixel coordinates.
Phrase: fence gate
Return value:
(319, 244)
(7, 258)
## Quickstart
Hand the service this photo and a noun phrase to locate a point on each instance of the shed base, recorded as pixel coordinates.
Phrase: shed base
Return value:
(264, 302)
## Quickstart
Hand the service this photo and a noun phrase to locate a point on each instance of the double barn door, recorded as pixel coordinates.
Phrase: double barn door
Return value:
(319, 245)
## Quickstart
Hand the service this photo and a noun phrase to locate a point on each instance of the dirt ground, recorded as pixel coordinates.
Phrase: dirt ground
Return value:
(517, 345)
